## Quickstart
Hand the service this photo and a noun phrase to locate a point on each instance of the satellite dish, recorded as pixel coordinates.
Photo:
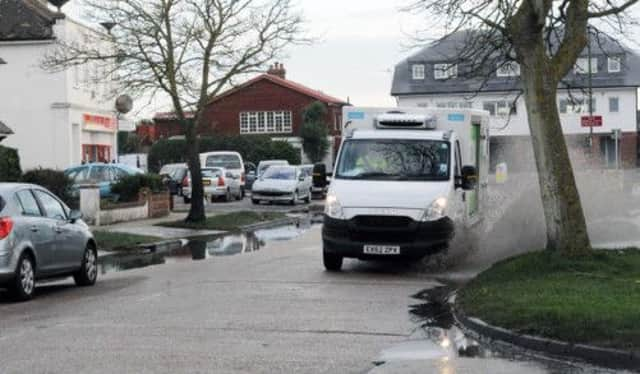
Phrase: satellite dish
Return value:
(124, 104)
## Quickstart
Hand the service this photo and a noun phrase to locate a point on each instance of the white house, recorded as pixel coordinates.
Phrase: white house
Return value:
(59, 119)
(430, 78)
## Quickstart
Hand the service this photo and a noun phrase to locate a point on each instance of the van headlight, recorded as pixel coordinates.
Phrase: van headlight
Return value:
(332, 207)
(436, 210)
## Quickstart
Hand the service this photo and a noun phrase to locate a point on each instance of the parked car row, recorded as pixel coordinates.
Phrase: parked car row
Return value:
(225, 172)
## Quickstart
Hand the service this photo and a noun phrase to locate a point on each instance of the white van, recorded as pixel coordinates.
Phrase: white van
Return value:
(231, 161)
(406, 181)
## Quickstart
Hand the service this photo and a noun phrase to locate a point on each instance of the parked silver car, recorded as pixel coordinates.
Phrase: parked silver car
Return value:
(40, 237)
(282, 183)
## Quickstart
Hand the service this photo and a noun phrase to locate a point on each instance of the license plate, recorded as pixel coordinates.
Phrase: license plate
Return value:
(381, 250)
(206, 182)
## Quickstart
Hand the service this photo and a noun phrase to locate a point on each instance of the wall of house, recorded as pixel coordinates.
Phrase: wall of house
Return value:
(509, 133)
(45, 109)
(516, 124)
(223, 116)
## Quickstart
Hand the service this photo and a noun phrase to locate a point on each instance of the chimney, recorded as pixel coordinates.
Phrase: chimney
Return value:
(278, 70)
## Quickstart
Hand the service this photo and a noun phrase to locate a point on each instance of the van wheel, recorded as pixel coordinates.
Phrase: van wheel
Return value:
(88, 273)
(24, 282)
(186, 200)
(331, 261)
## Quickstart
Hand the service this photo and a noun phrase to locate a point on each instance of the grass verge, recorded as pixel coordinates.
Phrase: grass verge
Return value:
(228, 222)
(115, 241)
(593, 300)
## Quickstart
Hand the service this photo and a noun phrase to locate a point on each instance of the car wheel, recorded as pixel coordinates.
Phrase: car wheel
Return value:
(24, 283)
(186, 200)
(255, 202)
(308, 198)
(332, 262)
(88, 273)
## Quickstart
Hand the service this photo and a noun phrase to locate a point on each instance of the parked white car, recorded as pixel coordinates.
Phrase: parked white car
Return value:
(217, 183)
(232, 161)
(282, 183)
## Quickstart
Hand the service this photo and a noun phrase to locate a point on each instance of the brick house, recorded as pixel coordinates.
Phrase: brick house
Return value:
(267, 104)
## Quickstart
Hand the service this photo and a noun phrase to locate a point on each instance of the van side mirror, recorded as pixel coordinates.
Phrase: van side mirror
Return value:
(75, 215)
(469, 178)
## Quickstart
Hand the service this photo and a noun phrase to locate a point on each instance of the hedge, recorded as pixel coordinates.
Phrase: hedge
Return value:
(10, 170)
(53, 180)
(253, 148)
(127, 188)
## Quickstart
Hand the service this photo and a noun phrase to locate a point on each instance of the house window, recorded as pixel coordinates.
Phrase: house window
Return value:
(445, 71)
(244, 122)
(418, 71)
(265, 122)
(614, 104)
(500, 107)
(508, 69)
(576, 106)
(582, 65)
(613, 64)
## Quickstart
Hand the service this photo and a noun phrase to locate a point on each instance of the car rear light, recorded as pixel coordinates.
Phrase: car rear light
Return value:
(6, 225)
(185, 182)
(220, 182)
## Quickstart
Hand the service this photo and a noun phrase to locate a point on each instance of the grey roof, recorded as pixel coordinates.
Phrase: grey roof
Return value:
(448, 50)
(5, 130)
(26, 20)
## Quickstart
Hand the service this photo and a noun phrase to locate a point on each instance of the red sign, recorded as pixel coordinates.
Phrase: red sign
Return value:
(99, 123)
(591, 121)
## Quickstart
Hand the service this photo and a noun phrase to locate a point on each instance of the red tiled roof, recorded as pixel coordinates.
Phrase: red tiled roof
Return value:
(284, 83)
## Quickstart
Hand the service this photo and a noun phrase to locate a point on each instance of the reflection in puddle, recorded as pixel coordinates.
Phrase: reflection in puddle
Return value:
(204, 248)
(440, 339)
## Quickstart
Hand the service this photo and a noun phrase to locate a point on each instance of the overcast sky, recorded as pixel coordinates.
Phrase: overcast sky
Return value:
(360, 43)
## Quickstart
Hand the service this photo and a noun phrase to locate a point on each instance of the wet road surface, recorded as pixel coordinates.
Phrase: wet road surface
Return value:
(248, 303)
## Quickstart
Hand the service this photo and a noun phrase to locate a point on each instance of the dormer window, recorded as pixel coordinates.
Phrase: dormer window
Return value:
(445, 71)
(508, 69)
(418, 71)
(614, 64)
(582, 65)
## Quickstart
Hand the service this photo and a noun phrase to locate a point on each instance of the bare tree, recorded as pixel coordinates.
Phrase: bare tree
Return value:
(187, 50)
(545, 37)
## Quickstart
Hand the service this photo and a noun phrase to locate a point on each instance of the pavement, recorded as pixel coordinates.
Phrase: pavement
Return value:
(146, 226)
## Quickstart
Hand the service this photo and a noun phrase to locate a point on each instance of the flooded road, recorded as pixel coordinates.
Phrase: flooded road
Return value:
(203, 248)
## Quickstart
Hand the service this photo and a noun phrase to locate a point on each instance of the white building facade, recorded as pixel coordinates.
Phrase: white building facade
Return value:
(419, 81)
(59, 119)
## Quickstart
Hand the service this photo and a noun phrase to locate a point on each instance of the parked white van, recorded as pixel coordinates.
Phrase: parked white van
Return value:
(231, 161)
(406, 181)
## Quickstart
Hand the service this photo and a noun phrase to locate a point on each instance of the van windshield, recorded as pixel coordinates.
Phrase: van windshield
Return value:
(397, 159)
(224, 161)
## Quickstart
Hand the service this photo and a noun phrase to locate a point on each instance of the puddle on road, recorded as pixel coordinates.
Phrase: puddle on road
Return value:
(204, 248)
(438, 338)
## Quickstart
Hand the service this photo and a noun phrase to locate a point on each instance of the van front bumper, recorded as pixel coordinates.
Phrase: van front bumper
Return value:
(348, 238)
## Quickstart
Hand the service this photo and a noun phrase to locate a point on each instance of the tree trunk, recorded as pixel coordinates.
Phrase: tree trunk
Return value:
(196, 212)
(564, 217)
